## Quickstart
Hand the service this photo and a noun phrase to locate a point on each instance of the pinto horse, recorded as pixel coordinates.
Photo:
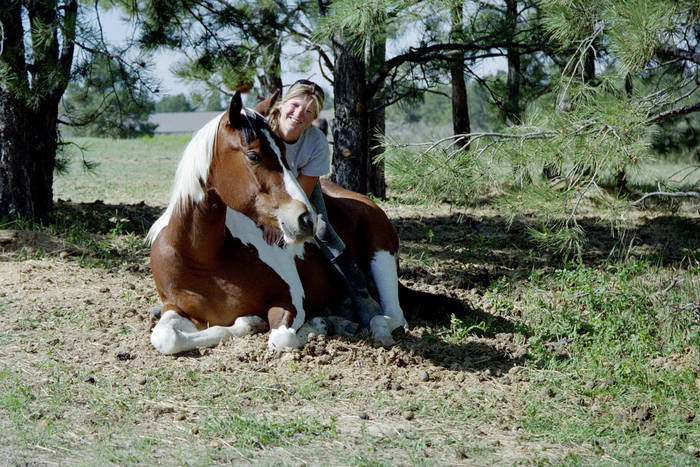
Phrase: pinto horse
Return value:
(216, 275)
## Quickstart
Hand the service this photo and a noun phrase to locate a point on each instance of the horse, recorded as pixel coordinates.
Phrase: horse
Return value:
(215, 274)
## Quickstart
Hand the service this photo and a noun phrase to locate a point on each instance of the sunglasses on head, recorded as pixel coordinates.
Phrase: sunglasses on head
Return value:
(306, 82)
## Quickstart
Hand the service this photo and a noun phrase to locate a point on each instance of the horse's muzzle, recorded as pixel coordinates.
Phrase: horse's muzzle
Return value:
(296, 222)
(306, 223)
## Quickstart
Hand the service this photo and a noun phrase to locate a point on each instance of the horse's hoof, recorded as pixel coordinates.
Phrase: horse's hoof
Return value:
(341, 326)
(367, 309)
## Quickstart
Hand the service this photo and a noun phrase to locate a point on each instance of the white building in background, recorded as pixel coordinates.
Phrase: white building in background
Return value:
(181, 122)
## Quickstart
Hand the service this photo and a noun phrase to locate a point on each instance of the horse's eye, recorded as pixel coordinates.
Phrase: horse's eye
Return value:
(254, 157)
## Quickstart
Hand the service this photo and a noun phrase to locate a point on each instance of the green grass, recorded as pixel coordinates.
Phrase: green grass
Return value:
(614, 358)
(127, 171)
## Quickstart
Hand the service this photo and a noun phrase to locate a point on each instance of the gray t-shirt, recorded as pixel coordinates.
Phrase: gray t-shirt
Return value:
(309, 155)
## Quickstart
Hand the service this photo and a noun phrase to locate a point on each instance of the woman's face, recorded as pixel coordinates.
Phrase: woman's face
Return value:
(296, 116)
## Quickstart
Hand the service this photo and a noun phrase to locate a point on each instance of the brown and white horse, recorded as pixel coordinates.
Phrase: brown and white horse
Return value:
(216, 275)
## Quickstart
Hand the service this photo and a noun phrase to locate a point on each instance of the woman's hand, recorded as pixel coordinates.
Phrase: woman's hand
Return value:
(273, 236)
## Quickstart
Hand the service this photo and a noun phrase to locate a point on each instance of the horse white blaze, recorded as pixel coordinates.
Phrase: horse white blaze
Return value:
(281, 260)
(385, 275)
(290, 182)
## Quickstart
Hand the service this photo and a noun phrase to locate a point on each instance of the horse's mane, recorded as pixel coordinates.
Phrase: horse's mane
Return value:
(191, 175)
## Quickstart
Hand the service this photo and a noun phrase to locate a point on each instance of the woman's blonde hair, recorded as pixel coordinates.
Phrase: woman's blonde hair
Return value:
(300, 88)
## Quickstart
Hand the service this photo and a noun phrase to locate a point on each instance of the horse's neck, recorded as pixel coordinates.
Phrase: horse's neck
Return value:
(200, 229)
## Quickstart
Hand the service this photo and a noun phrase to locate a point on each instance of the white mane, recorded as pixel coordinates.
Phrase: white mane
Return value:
(191, 172)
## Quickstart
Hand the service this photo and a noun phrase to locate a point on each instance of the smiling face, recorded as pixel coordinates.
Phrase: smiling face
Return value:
(296, 115)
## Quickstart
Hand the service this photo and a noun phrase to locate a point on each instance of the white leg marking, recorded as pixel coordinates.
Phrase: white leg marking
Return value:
(283, 338)
(174, 334)
(380, 330)
(386, 278)
(246, 325)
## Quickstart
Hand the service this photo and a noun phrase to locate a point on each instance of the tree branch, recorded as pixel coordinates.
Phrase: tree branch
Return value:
(680, 53)
(421, 54)
(671, 113)
(670, 194)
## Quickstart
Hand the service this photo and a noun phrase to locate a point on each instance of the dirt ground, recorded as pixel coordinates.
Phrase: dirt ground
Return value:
(93, 321)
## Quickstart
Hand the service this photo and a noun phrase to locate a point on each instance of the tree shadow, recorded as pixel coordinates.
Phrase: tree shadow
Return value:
(100, 218)
(476, 251)
(498, 356)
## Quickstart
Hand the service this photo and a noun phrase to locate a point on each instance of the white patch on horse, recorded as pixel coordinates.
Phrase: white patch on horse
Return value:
(290, 182)
(192, 169)
(283, 338)
(174, 333)
(385, 275)
(281, 260)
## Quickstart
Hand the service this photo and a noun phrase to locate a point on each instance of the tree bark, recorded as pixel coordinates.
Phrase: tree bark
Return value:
(29, 109)
(511, 103)
(460, 101)
(350, 126)
(376, 183)
(271, 43)
(28, 141)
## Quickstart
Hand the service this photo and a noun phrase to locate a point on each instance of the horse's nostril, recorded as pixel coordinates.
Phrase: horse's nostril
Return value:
(306, 222)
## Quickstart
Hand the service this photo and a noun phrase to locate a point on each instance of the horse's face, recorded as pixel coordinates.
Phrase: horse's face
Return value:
(249, 172)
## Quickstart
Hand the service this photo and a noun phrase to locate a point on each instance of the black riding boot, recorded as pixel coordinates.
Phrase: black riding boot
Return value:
(365, 306)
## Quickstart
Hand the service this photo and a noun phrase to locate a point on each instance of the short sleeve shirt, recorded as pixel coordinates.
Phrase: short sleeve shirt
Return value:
(309, 155)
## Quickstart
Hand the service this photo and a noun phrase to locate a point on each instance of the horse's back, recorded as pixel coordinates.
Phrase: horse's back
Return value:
(359, 221)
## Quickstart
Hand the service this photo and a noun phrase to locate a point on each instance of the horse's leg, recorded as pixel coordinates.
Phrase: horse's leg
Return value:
(282, 334)
(385, 275)
(174, 333)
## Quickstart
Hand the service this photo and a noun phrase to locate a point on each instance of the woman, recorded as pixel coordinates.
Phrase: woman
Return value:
(309, 158)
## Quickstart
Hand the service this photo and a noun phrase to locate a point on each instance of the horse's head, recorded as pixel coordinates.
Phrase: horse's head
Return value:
(250, 174)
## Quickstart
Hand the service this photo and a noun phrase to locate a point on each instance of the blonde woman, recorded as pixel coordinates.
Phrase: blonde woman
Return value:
(308, 157)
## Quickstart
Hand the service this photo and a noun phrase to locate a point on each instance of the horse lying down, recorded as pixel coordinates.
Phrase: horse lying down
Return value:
(216, 275)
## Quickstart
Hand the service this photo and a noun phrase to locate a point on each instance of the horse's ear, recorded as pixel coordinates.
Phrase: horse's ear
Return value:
(263, 107)
(234, 110)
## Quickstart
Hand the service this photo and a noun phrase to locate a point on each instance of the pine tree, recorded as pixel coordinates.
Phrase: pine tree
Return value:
(45, 45)
(603, 121)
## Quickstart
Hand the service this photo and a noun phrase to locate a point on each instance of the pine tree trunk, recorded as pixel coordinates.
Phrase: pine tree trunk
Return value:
(271, 80)
(27, 159)
(376, 183)
(29, 108)
(350, 125)
(512, 98)
(460, 102)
